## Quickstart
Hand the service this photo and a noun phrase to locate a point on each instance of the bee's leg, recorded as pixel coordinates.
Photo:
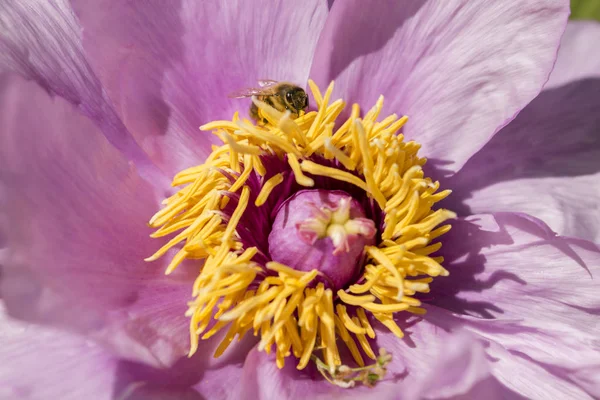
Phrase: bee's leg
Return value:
(254, 112)
(269, 101)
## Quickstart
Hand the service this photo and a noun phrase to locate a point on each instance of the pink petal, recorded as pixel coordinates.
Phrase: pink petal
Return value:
(533, 296)
(40, 362)
(577, 57)
(40, 41)
(73, 220)
(459, 69)
(188, 378)
(547, 161)
(222, 383)
(533, 379)
(435, 360)
(44, 363)
(169, 67)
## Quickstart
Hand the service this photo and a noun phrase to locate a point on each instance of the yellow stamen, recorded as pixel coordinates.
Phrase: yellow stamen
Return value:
(365, 322)
(237, 214)
(348, 322)
(316, 93)
(390, 324)
(300, 177)
(355, 300)
(361, 139)
(240, 147)
(267, 188)
(334, 173)
(339, 155)
(347, 339)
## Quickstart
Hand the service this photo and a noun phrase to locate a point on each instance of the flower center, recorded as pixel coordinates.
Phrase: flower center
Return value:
(322, 230)
(282, 219)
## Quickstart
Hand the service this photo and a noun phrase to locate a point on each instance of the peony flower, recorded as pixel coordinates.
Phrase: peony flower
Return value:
(311, 256)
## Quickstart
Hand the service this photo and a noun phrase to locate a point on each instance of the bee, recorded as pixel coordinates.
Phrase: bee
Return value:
(283, 96)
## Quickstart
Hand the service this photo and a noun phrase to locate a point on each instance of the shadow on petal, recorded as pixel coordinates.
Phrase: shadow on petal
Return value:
(375, 31)
(463, 258)
(483, 253)
(556, 135)
(140, 381)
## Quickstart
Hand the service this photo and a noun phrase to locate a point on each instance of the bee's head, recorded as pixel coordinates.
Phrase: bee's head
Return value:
(297, 99)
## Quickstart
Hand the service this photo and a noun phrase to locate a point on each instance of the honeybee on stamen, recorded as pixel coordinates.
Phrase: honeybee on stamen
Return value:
(283, 96)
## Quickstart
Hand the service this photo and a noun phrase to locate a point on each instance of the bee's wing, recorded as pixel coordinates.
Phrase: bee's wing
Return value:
(263, 83)
(249, 92)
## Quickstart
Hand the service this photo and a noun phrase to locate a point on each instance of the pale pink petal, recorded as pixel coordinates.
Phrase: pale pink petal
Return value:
(187, 377)
(459, 69)
(45, 363)
(73, 222)
(534, 379)
(40, 40)
(222, 383)
(169, 66)
(547, 161)
(533, 296)
(436, 359)
(40, 363)
(578, 57)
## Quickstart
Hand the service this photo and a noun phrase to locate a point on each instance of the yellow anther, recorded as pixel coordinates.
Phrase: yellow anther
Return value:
(334, 173)
(355, 300)
(267, 188)
(296, 168)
